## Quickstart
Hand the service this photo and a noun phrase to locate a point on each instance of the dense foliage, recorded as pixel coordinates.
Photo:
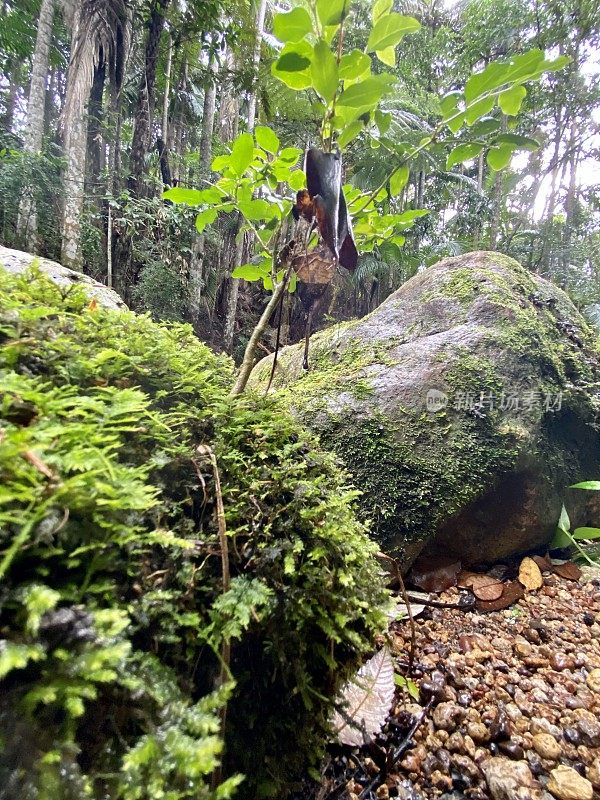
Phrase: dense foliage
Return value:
(116, 620)
(213, 69)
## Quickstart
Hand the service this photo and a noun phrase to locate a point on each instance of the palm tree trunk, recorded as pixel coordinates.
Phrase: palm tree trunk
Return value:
(233, 284)
(75, 148)
(34, 126)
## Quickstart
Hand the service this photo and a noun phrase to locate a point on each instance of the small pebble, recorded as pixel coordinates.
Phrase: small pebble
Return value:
(593, 681)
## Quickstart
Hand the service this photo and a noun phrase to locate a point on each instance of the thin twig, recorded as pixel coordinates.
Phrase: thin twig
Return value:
(413, 629)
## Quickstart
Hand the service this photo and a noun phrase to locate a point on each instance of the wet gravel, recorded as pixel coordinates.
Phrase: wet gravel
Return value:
(514, 706)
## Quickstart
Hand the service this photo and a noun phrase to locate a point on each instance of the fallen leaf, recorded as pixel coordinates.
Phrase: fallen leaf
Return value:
(486, 588)
(93, 305)
(365, 701)
(465, 578)
(568, 570)
(399, 611)
(511, 593)
(543, 563)
(530, 575)
(434, 575)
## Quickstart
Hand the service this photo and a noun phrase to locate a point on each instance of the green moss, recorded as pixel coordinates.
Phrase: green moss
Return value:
(459, 284)
(112, 612)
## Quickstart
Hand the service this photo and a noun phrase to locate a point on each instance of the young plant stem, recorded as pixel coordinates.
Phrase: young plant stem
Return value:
(261, 326)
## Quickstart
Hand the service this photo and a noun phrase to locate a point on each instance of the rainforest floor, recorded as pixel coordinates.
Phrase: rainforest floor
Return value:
(508, 705)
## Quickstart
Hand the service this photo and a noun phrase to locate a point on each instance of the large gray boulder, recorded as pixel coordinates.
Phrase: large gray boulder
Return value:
(16, 261)
(463, 407)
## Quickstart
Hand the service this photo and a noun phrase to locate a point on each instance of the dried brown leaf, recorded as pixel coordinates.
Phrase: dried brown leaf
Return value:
(366, 700)
(543, 563)
(465, 578)
(511, 593)
(530, 575)
(568, 570)
(486, 588)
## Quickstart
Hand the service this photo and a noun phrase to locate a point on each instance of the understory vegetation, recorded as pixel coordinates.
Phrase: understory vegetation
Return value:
(128, 657)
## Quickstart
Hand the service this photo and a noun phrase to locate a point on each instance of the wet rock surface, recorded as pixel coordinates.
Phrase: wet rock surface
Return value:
(515, 714)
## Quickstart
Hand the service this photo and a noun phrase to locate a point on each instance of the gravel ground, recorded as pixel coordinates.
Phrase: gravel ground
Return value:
(512, 703)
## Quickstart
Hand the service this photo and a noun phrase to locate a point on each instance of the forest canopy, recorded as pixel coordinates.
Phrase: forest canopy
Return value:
(104, 105)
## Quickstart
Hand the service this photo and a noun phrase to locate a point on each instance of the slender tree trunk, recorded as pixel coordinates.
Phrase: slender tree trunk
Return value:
(497, 201)
(233, 284)
(196, 277)
(34, 126)
(144, 110)
(10, 101)
(571, 197)
(167, 94)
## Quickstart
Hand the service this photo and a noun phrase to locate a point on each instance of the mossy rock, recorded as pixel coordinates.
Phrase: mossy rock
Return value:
(113, 613)
(475, 474)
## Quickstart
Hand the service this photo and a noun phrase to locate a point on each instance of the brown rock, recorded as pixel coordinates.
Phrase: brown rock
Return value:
(546, 745)
(593, 681)
(478, 732)
(567, 784)
(447, 715)
(593, 773)
(506, 779)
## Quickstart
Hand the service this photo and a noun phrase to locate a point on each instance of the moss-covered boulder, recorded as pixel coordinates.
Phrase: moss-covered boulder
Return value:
(18, 262)
(463, 407)
(117, 618)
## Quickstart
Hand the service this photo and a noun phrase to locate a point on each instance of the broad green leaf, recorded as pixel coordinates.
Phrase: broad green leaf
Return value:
(387, 56)
(510, 100)
(290, 155)
(593, 485)
(464, 152)
(560, 540)
(331, 12)
(293, 65)
(268, 283)
(518, 142)
(381, 8)
(191, 197)
(242, 153)
(383, 119)
(456, 124)
(389, 30)
(267, 138)
(349, 133)
(205, 218)
(499, 156)
(354, 65)
(485, 126)
(249, 272)
(297, 180)
(411, 215)
(293, 25)
(493, 76)
(398, 180)
(367, 93)
(449, 104)
(479, 109)
(257, 209)
(586, 533)
(324, 71)
(220, 163)
(293, 283)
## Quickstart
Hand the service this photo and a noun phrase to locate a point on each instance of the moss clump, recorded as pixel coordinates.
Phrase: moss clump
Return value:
(112, 610)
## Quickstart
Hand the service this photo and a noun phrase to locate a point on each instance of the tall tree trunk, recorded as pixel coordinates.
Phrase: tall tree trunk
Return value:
(196, 276)
(167, 94)
(75, 148)
(497, 201)
(570, 198)
(34, 126)
(233, 284)
(144, 110)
